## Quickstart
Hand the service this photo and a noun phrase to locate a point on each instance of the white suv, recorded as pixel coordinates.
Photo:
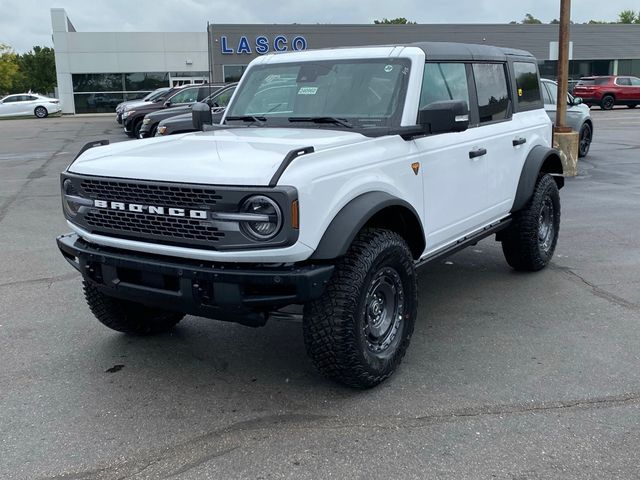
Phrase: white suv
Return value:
(334, 174)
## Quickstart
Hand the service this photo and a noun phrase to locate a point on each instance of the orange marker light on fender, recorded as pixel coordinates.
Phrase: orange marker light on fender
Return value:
(295, 215)
(415, 167)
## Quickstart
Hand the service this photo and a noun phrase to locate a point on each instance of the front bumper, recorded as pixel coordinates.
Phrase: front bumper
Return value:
(145, 130)
(235, 292)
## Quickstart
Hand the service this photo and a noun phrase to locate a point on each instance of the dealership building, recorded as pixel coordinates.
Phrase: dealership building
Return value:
(97, 70)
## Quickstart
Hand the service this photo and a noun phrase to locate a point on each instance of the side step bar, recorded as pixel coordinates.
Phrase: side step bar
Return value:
(465, 242)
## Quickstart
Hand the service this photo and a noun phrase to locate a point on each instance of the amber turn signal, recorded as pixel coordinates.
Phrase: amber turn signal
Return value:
(295, 215)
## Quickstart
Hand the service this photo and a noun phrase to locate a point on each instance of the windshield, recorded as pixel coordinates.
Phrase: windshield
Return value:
(362, 93)
(156, 94)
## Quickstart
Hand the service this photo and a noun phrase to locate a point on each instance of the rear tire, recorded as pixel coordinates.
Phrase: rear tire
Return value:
(126, 316)
(529, 242)
(41, 112)
(358, 332)
(585, 137)
(607, 102)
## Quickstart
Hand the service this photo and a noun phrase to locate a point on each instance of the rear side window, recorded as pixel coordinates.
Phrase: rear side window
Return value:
(527, 84)
(625, 81)
(444, 81)
(493, 94)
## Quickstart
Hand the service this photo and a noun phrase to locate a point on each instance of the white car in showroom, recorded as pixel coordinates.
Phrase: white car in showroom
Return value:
(22, 104)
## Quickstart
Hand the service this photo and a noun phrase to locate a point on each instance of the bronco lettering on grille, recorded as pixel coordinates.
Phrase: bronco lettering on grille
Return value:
(151, 209)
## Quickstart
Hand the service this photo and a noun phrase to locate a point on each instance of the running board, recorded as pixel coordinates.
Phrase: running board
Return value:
(465, 242)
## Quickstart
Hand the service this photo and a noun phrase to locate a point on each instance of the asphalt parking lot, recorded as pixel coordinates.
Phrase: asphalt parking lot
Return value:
(509, 376)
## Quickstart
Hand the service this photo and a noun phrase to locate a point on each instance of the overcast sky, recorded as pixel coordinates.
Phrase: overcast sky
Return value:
(24, 23)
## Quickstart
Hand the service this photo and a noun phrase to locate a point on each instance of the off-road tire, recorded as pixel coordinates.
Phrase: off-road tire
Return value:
(126, 316)
(521, 242)
(607, 102)
(335, 326)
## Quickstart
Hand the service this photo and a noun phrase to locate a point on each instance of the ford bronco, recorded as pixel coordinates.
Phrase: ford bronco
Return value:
(333, 175)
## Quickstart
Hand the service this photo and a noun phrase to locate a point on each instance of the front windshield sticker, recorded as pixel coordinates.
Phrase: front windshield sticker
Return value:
(388, 68)
(308, 90)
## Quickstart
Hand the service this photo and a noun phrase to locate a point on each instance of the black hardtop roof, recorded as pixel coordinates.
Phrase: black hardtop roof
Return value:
(468, 51)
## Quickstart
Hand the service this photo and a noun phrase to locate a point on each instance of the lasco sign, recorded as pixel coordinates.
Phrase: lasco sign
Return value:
(262, 45)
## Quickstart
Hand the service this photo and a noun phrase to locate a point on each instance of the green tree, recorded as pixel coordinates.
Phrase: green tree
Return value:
(38, 70)
(628, 16)
(531, 20)
(394, 21)
(555, 21)
(9, 68)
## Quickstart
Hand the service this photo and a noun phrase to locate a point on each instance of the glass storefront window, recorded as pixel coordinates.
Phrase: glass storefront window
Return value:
(233, 73)
(577, 68)
(145, 81)
(97, 82)
(97, 102)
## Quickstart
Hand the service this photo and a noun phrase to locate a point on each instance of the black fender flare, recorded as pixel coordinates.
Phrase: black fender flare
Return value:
(539, 159)
(354, 216)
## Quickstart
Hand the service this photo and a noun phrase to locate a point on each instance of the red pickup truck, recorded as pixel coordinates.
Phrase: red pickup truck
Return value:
(609, 91)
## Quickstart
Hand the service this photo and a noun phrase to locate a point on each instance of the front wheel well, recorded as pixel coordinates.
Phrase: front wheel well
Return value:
(404, 222)
(553, 165)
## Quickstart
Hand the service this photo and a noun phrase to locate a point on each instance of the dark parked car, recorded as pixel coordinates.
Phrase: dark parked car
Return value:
(219, 93)
(183, 123)
(609, 91)
(157, 95)
(133, 116)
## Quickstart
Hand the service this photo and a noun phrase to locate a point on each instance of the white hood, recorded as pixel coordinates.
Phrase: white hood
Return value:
(239, 156)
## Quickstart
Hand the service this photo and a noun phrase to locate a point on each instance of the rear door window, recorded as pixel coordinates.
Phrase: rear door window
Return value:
(528, 85)
(492, 91)
(624, 81)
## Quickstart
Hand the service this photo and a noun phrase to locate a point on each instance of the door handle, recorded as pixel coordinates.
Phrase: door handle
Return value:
(477, 153)
(519, 141)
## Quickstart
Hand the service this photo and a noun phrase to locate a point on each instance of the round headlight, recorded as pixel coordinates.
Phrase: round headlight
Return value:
(266, 227)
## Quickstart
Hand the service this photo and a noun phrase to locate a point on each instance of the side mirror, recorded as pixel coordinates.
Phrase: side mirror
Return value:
(201, 115)
(167, 103)
(443, 117)
(576, 101)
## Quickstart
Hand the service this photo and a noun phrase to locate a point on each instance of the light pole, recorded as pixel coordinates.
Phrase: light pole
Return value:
(563, 67)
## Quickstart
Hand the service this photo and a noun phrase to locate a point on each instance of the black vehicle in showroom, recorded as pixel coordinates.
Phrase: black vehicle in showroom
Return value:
(132, 117)
(219, 93)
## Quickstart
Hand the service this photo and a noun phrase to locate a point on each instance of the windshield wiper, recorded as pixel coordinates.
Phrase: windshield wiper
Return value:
(337, 121)
(249, 118)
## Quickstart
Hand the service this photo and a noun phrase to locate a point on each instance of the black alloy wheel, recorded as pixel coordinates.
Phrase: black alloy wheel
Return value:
(586, 135)
(608, 102)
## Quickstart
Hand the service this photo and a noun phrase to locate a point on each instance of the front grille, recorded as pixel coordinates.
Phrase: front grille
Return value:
(150, 194)
(175, 229)
(145, 226)
(147, 212)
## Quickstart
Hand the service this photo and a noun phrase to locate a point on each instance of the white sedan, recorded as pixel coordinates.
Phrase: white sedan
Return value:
(28, 104)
